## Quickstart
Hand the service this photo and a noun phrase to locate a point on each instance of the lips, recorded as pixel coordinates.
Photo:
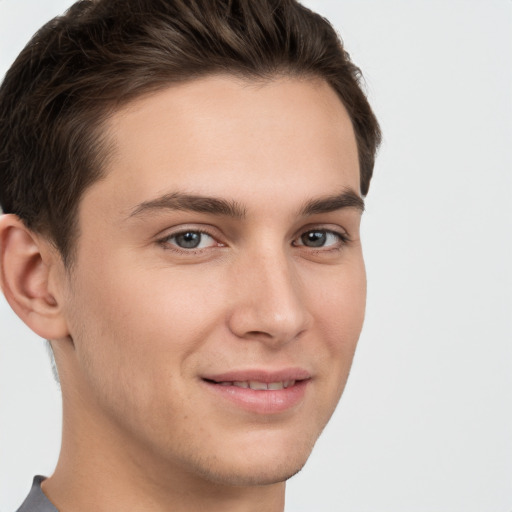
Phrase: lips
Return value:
(258, 385)
(260, 391)
(257, 375)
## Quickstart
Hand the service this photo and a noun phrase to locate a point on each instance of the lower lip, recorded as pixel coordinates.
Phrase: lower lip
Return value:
(262, 401)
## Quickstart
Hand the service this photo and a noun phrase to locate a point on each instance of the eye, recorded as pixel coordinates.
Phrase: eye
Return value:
(321, 238)
(191, 240)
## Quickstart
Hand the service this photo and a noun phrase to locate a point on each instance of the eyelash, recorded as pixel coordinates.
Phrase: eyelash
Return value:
(343, 238)
(165, 242)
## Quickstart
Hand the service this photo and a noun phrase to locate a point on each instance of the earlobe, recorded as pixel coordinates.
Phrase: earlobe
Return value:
(26, 266)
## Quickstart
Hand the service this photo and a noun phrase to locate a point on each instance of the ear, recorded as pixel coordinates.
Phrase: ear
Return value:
(31, 271)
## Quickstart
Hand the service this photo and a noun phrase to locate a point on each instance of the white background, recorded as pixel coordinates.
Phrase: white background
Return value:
(425, 424)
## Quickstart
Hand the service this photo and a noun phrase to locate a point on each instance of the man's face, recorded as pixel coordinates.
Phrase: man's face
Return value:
(219, 255)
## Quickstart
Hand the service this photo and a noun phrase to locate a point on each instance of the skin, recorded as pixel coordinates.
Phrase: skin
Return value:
(139, 321)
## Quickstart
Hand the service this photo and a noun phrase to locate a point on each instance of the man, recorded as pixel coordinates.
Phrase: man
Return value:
(182, 186)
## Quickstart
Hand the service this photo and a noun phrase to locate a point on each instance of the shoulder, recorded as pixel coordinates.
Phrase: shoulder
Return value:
(36, 501)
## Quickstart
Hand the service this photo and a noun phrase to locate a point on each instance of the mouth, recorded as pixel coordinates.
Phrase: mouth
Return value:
(257, 385)
(261, 392)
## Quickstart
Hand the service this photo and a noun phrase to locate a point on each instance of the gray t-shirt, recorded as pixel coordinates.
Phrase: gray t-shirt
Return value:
(36, 501)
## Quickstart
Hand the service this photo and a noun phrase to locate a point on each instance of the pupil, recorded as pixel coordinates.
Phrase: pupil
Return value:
(314, 238)
(189, 240)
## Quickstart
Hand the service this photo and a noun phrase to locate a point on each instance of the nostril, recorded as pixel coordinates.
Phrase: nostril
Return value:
(261, 334)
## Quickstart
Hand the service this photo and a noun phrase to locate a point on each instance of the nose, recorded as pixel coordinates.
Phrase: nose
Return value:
(269, 301)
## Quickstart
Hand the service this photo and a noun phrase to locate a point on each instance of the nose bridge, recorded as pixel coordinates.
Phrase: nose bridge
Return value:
(270, 305)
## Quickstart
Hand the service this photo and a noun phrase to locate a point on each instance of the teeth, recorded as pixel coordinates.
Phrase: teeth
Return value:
(254, 384)
(260, 386)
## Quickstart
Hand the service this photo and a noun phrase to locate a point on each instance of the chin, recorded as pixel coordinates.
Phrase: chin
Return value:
(256, 475)
(258, 466)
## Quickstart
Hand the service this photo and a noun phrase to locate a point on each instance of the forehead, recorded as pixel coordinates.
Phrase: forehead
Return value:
(222, 136)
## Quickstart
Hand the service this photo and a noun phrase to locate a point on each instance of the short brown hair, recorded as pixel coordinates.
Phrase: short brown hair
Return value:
(100, 54)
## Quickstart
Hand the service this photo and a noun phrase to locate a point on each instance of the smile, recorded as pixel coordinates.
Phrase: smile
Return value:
(258, 385)
(260, 392)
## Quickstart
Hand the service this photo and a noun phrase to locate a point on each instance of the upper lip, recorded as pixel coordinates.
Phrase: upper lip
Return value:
(260, 375)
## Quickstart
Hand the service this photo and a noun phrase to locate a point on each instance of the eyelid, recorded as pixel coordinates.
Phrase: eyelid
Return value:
(330, 228)
(339, 232)
(184, 228)
(212, 232)
(166, 235)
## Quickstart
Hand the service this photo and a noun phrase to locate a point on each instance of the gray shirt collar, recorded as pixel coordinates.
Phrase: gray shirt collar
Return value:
(36, 501)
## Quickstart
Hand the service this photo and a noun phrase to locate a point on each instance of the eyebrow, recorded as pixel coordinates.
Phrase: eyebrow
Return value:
(191, 202)
(348, 198)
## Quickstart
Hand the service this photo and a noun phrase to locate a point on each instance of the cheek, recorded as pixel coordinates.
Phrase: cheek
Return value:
(134, 339)
(340, 314)
(341, 305)
(142, 322)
